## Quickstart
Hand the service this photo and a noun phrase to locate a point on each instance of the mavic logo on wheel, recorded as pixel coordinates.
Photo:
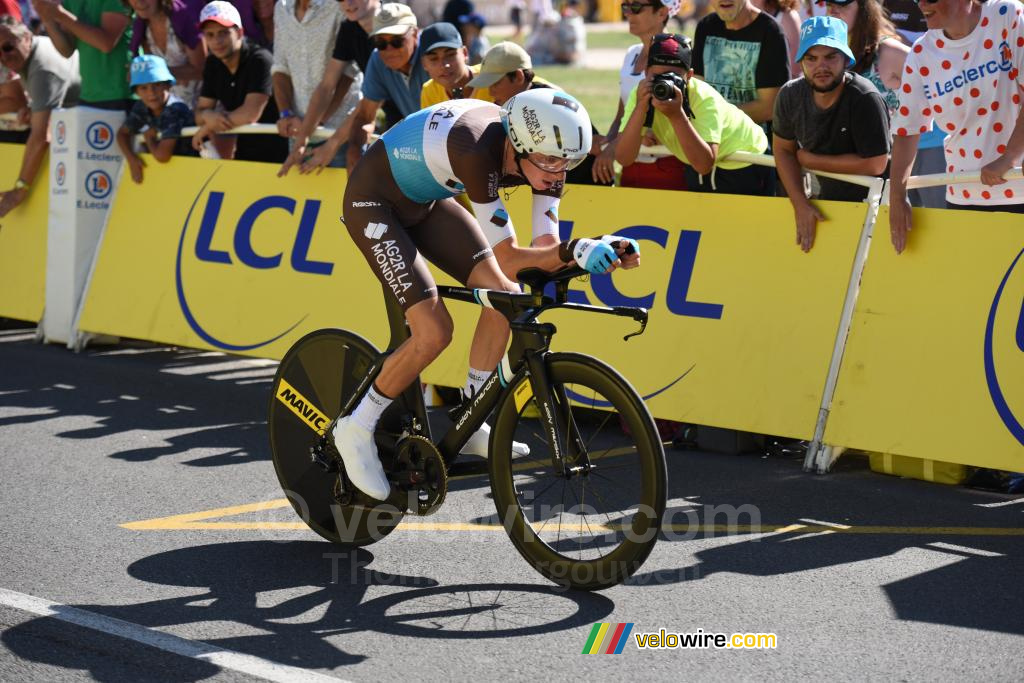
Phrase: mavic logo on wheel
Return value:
(375, 230)
(301, 406)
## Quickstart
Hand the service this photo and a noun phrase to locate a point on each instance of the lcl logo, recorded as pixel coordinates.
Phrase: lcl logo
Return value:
(1004, 349)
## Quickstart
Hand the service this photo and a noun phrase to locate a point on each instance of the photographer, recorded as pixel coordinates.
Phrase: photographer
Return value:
(696, 124)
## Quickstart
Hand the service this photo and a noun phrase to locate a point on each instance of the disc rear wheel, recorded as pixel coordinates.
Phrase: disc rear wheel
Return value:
(314, 380)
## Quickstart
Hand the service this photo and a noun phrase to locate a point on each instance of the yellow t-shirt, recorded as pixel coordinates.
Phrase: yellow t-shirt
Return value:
(434, 93)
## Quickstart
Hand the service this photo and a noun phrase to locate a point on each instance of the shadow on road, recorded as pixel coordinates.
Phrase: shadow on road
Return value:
(301, 599)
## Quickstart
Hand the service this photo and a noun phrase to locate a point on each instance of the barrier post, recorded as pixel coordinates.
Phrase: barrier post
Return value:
(84, 163)
(819, 456)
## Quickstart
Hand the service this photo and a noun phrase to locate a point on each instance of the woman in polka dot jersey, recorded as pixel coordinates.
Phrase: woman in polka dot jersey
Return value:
(966, 74)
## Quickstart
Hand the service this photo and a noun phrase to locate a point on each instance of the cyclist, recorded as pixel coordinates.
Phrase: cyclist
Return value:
(399, 208)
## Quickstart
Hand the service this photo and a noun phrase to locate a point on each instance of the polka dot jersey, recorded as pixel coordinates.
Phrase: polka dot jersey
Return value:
(972, 88)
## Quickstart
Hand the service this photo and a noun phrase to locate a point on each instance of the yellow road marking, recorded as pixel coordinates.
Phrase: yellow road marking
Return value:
(195, 521)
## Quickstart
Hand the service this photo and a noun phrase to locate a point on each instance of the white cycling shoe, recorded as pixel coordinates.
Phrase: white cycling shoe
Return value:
(479, 443)
(359, 453)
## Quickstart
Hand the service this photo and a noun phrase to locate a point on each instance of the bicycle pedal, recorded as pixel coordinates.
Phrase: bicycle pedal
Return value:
(322, 453)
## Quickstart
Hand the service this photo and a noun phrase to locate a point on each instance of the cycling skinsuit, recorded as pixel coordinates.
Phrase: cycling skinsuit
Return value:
(399, 202)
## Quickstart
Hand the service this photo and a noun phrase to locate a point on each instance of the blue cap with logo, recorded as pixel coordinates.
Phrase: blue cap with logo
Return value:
(150, 69)
(826, 31)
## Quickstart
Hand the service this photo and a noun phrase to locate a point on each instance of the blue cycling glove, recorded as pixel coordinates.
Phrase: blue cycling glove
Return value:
(593, 256)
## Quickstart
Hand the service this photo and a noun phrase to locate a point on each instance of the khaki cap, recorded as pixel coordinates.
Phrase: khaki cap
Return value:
(394, 18)
(499, 60)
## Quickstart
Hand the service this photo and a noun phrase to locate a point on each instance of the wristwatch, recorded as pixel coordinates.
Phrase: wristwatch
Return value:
(285, 114)
(20, 184)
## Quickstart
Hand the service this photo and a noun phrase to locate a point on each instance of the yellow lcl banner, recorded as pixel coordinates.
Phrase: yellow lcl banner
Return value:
(934, 365)
(23, 242)
(742, 322)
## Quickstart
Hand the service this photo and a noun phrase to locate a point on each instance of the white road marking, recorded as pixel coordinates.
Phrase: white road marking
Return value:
(831, 524)
(964, 549)
(1015, 501)
(225, 659)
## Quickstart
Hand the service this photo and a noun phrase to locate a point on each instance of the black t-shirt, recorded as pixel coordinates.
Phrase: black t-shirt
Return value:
(230, 89)
(906, 17)
(252, 76)
(737, 63)
(858, 123)
(353, 45)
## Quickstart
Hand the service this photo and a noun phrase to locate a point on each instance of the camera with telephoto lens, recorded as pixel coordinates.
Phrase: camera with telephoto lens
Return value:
(661, 86)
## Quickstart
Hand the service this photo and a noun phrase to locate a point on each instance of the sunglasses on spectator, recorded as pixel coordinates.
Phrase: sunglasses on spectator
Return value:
(636, 7)
(841, 3)
(382, 43)
(927, 2)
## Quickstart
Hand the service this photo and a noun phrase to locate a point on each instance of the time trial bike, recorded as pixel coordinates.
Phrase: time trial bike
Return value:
(582, 494)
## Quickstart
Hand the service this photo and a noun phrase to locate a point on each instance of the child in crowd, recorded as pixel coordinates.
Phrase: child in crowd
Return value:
(157, 111)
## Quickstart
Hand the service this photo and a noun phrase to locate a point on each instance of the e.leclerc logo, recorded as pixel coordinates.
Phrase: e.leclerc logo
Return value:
(99, 135)
(98, 184)
(1004, 349)
(227, 275)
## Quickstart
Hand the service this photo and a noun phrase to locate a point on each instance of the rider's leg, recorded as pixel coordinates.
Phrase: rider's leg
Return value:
(457, 246)
(394, 259)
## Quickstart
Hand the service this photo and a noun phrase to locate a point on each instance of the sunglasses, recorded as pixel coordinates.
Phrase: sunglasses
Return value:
(635, 7)
(841, 3)
(927, 2)
(382, 43)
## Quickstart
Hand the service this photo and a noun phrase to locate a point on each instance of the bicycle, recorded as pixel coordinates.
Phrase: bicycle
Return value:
(587, 429)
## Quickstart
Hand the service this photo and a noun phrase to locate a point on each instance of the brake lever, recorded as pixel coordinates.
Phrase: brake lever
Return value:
(639, 315)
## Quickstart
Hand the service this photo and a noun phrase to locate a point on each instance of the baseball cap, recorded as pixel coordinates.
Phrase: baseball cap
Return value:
(826, 31)
(224, 13)
(394, 18)
(670, 49)
(149, 69)
(441, 34)
(499, 60)
(673, 6)
(478, 19)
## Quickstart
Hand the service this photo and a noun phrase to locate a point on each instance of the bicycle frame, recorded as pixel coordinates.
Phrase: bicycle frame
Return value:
(531, 341)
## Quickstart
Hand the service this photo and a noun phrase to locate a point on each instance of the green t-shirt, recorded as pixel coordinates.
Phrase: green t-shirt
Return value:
(104, 76)
(716, 122)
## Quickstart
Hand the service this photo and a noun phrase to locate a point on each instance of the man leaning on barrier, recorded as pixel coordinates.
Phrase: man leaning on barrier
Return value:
(966, 74)
(830, 120)
(51, 80)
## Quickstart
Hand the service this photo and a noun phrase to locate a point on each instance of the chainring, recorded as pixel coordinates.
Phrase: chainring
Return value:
(419, 471)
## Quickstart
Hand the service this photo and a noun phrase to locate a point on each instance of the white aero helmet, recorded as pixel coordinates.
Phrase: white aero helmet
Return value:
(548, 122)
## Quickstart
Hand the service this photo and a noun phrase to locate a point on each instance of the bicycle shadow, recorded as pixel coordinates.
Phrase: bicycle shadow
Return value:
(301, 598)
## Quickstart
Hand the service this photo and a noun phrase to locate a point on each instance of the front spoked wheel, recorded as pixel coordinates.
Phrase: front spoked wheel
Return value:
(314, 380)
(593, 525)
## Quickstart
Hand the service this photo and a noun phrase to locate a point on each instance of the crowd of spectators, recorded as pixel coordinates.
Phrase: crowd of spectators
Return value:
(814, 84)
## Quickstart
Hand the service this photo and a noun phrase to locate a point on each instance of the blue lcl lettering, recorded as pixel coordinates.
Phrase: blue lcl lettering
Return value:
(679, 280)
(300, 260)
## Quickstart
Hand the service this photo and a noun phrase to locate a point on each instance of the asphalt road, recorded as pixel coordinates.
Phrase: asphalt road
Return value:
(131, 549)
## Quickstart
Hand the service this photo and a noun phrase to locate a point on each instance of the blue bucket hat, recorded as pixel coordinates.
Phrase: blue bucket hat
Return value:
(827, 31)
(150, 69)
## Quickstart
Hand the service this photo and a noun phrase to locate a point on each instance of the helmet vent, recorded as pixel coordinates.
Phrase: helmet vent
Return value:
(558, 136)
